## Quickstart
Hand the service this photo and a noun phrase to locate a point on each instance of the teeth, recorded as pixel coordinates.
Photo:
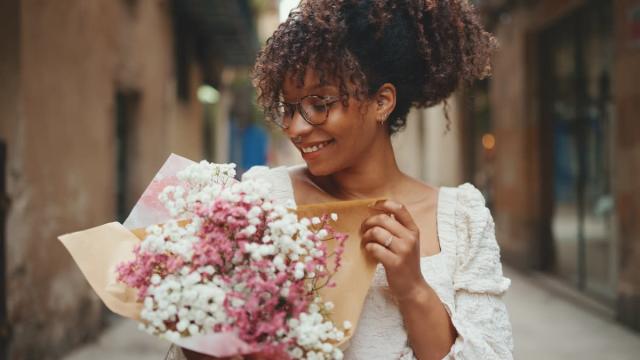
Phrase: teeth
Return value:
(314, 148)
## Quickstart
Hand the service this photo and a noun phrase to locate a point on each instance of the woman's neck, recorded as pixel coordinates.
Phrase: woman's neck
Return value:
(375, 175)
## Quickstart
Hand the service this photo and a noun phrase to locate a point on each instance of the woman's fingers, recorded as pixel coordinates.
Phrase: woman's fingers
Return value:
(381, 236)
(387, 222)
(374, 240)
(381, 254)
(399, 211)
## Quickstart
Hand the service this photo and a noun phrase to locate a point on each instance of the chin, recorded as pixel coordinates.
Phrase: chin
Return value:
(320, 169)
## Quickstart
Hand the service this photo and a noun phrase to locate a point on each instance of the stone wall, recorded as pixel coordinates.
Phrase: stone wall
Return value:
(514, 90)
(519, 210)
(627, 163)
(62, 65)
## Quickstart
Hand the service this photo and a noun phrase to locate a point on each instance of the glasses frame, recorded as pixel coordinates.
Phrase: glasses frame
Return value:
(328, 101)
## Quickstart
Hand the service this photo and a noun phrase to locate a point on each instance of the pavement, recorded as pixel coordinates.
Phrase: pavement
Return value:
(122, 341)
(545, 325)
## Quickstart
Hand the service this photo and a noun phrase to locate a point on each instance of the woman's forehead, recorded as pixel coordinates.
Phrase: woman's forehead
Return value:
(311, 83)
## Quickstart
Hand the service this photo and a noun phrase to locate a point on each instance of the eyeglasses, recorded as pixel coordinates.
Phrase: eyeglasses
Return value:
(313, 108)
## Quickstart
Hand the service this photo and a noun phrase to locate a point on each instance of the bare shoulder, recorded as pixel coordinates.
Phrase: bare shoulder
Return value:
(421, 199)
(419, 194)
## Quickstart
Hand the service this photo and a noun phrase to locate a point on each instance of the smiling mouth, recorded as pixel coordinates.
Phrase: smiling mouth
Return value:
(316, 147)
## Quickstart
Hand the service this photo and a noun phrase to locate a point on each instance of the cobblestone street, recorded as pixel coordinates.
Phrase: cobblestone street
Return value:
(545, 327)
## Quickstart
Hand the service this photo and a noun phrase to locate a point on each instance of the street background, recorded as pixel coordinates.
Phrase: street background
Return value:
(545, 326)
(94, 96)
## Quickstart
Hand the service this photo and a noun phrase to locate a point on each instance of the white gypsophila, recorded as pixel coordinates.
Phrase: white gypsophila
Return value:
(196, 305)
(205, 174)
(172, 197)
(203, 181)
(173, 238)
(316, 335)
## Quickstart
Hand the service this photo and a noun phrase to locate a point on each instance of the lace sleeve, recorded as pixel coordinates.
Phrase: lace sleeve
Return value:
(478, 312)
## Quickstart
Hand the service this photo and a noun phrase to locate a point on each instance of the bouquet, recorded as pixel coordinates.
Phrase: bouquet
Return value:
(222, 268)
(241, 264)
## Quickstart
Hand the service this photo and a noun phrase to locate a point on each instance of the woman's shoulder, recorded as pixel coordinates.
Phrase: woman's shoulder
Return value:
(462, 212)
(465, 200)
(471, 197)
(472, 216)
(477, 251)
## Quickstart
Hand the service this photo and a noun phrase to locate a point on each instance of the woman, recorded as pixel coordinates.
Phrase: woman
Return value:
(339, 77)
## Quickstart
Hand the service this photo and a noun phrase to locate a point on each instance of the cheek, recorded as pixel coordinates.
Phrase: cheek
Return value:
(361, 129)
(356, 135)
(352, 123)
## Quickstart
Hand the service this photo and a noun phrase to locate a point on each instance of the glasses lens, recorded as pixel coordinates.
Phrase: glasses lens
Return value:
(315, 109)
(282, 115)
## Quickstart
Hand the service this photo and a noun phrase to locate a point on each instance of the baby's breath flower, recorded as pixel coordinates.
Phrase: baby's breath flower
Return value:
(198, 277)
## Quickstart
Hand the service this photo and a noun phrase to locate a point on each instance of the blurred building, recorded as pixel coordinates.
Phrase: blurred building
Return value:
(94, 95)
(553, 140)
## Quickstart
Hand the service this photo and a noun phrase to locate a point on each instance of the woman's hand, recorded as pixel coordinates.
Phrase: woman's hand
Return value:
(393, 238)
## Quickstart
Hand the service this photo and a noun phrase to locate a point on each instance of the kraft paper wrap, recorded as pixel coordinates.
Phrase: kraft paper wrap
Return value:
(98, 250)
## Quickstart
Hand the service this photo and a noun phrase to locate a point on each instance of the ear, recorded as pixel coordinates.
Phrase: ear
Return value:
(384, 102)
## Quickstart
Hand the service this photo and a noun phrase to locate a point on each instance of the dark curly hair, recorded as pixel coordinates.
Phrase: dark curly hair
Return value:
(425, 48)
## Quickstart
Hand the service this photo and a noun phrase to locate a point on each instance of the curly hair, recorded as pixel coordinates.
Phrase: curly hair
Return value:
(425, 48)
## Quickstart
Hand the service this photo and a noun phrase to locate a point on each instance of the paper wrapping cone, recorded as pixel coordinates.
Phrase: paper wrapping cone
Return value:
(98, 251)
(356, 272)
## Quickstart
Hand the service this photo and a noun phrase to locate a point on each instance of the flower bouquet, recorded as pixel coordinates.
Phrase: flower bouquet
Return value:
(221, 267)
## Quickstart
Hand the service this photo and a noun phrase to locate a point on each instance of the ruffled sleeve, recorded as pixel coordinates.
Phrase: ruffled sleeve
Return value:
(478, 312)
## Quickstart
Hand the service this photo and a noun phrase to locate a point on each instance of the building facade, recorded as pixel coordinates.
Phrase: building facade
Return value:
(554, 139)
(94, 95)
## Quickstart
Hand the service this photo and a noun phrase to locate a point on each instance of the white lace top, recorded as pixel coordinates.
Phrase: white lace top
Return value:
(466, 275)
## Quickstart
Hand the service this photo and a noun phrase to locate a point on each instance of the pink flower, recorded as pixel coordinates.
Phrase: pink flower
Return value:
(260, 297)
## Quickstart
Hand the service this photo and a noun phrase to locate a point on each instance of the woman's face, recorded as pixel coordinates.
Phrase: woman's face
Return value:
(340, 142)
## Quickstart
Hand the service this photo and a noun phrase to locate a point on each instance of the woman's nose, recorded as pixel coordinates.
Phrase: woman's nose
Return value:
(298, 127)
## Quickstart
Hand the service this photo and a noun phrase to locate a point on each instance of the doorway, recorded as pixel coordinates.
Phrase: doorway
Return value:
(576, 62)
